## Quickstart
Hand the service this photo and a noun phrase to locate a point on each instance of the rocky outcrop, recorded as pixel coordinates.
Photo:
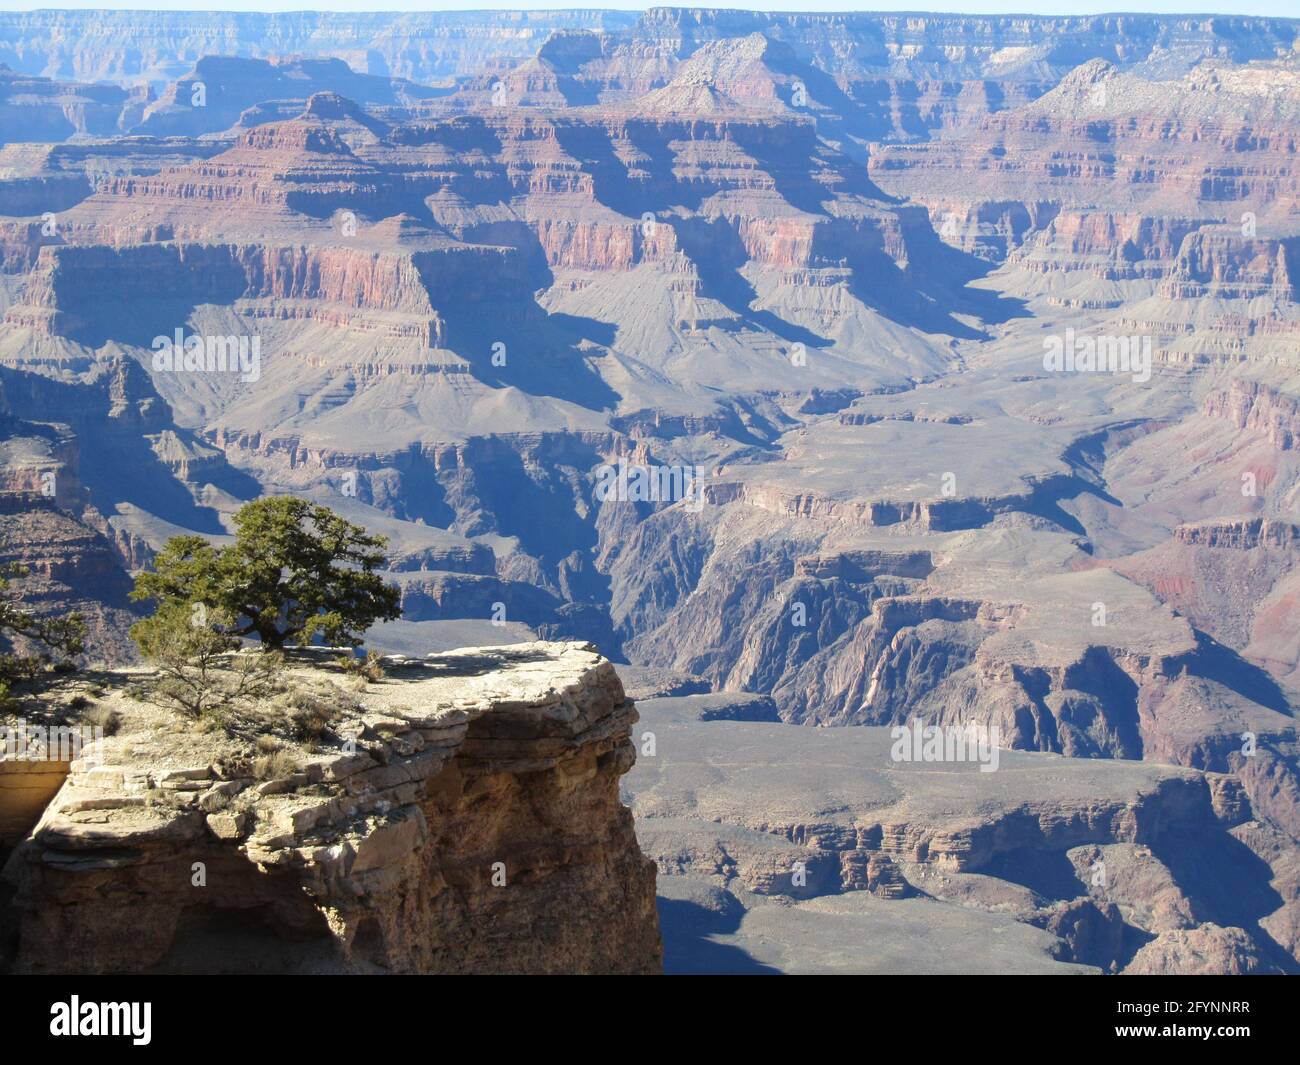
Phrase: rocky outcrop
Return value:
(1197, 951)
(1096, 852)
(1258, 406)
(40, 109)
(212, 96)
(335, 286)
(461, 815)
(1226, 265)
(1233, 578)
(1243, 535)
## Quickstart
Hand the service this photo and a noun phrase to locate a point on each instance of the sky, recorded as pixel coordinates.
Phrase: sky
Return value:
(1283, 8)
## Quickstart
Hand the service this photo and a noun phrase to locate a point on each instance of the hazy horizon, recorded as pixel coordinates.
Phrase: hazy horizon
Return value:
(1264, 8)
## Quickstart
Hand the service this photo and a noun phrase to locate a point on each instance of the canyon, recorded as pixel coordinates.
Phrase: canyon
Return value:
(820, 259)
(430, 837)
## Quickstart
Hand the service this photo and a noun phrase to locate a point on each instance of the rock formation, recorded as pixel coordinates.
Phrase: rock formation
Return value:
(809, 822)
(461, 815)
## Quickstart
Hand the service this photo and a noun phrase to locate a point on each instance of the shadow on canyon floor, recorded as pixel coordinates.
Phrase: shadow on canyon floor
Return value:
(686, 927)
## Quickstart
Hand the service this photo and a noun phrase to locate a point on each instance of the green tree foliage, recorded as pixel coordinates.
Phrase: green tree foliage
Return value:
(64, 635)
(295, 571)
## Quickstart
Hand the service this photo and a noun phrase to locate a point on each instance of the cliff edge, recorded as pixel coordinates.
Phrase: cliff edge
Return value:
(459, 814)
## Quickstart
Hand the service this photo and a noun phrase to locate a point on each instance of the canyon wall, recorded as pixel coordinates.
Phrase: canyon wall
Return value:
(430, 45)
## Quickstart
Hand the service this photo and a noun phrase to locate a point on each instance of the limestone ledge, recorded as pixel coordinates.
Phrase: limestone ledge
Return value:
(435, 742)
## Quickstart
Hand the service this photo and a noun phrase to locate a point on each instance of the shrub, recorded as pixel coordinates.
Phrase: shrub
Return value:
(104, 718)
(200, 671)
(275, 765)
(370, 668)
(310, 716)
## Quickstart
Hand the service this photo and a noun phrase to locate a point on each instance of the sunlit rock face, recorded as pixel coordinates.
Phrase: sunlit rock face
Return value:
(472, 825)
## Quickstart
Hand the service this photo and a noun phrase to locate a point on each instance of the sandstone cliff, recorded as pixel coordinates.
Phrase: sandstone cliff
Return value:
(460, 815)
